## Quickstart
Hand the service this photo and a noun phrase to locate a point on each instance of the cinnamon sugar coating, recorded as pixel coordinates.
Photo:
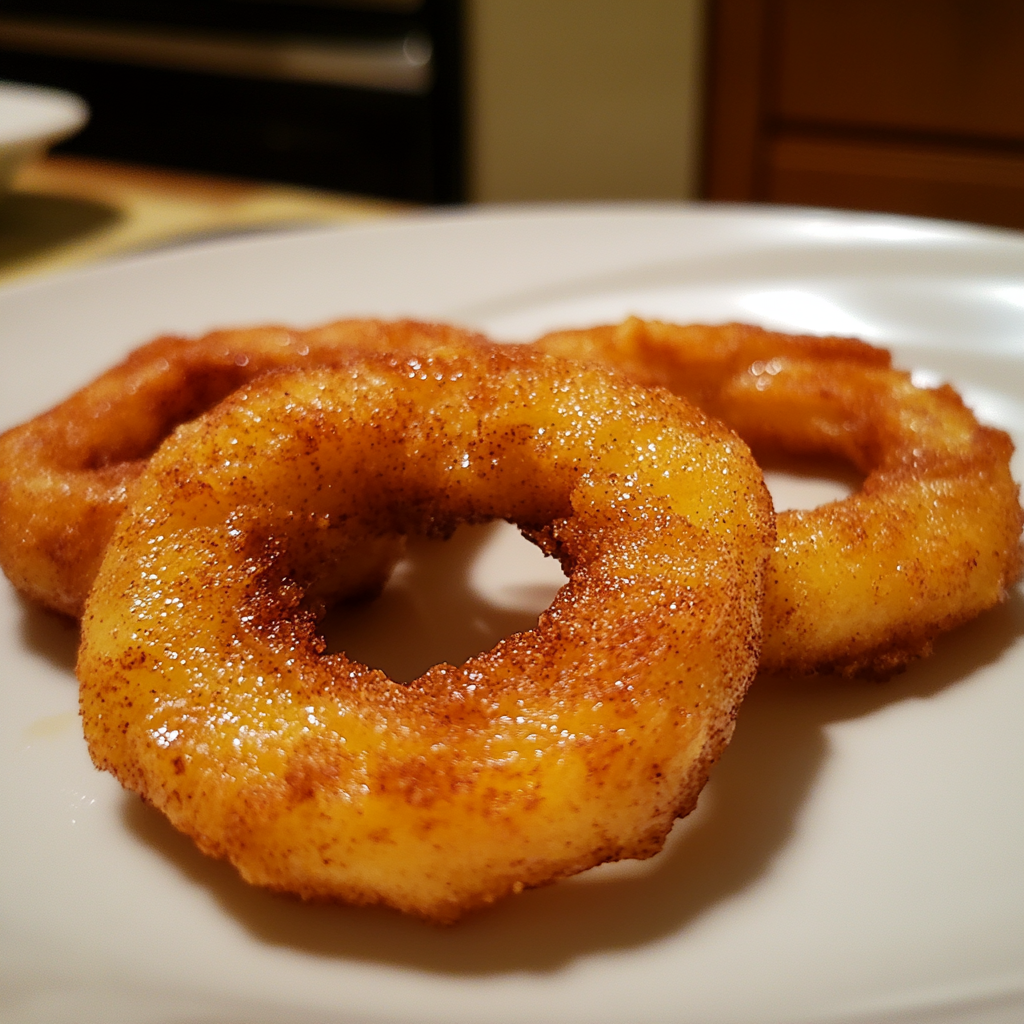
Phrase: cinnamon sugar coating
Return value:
(206, 689)
(861, 586)
(66, 475)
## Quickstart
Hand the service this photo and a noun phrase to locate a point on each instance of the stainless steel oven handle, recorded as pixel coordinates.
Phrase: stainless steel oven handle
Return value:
(403, 64)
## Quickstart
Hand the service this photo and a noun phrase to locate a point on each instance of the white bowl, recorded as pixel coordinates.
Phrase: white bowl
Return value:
(33, 118)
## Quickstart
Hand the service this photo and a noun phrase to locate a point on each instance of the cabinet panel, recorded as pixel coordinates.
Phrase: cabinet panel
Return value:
(933, 181)
(949, 66)
(907, 106)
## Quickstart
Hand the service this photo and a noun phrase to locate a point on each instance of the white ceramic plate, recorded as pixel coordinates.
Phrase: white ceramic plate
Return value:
(859, 853)
(31, 119)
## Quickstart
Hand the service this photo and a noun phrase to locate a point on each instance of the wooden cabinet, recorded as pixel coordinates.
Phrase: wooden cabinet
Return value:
(910, 106)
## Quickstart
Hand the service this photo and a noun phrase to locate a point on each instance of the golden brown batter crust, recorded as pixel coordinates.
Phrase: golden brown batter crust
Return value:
(65, 475)
(205, 689)
(864, 585)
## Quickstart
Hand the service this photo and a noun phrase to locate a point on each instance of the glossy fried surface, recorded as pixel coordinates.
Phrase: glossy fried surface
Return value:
(204, 686)
(65, 475)
(864, 585)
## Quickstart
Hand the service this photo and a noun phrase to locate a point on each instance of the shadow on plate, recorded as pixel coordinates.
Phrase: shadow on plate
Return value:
(31, 224)
(745, 818)
(51, 636)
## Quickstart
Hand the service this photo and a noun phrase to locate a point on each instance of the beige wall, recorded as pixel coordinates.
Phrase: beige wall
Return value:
(584, 99)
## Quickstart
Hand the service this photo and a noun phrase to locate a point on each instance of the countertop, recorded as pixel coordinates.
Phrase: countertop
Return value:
(67, 211)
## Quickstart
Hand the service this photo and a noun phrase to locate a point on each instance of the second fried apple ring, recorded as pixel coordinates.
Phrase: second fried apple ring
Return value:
(859, 586)
(65, 476)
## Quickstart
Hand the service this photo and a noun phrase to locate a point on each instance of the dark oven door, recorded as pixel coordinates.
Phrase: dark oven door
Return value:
(360, 96)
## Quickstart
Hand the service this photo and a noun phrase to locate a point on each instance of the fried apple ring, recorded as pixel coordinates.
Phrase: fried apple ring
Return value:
(65, 476)
(204, 686)
(861, 586)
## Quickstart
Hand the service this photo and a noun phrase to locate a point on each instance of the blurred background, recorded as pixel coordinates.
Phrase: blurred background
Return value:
(272, 111)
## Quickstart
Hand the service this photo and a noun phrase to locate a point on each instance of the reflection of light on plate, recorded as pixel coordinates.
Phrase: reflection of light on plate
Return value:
(925, 378)
(995, 409)
(835, 230)
(1011, 294)
(799, 310)
(794, 309)
(680, 304)
(987, 312)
